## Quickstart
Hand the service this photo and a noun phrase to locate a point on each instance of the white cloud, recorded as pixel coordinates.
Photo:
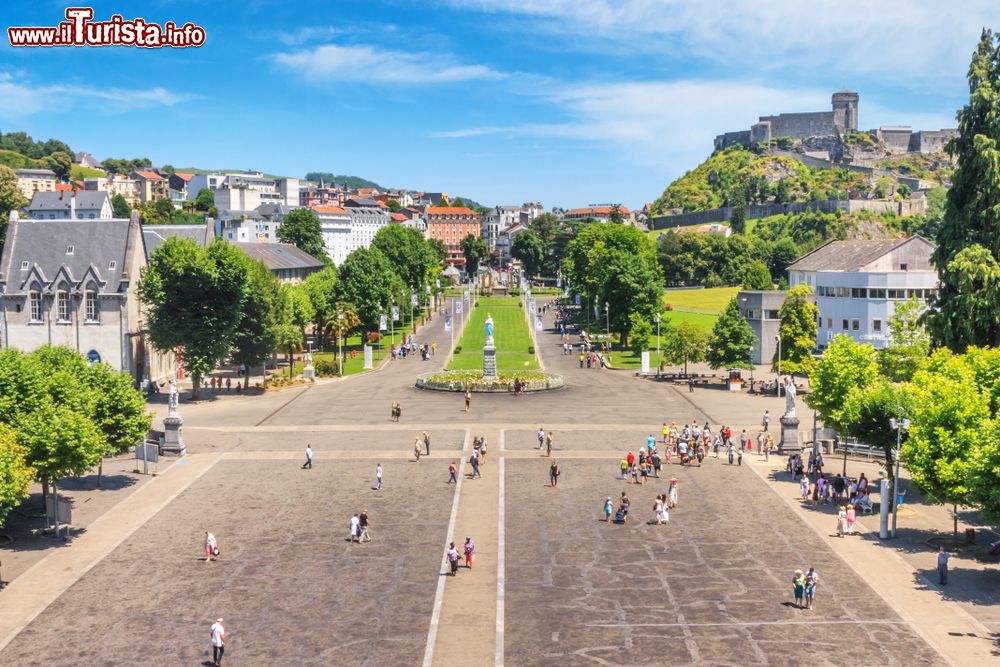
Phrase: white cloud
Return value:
(333, 62)
(912, 40)
(24, 99)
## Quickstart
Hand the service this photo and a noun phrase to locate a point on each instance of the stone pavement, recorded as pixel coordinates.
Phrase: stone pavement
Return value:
(551, 584)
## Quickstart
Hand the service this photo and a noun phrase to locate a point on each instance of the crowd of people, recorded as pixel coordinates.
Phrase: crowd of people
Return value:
(409, 347)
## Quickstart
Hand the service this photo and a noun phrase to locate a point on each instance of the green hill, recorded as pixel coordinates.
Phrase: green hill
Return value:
(342, 179)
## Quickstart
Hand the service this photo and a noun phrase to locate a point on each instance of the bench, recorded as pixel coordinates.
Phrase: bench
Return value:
(858, 449)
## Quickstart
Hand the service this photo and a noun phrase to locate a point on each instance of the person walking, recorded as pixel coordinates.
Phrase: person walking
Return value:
(364, 523)
(730, 452)
(452, 555)
(942, 566)
(739, 457)
(804, 487)
(418, 448)
(211, 546)
(468, 399)
(623, 464)
(811, 579)
(354, 525)
(841, 521)
(548, 443)
(474, 462)
(218, 635)
(541, 437)
(427, 444)
(452, 473)
(765, 420)
(851, 518)
(608, 509)
(554, 474)
(309, 458)
(378, 477)
(470, 552)
(672, 493)
(798, 587)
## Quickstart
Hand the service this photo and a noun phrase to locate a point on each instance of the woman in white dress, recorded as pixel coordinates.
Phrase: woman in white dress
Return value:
(664, 514)
(658, 510)
(672, 494)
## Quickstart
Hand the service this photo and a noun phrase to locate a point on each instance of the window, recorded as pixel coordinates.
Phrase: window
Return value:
(874, 293)
(112, 265)
(62, 306)
(24, 265)
(35, 306)
(843, 292)
(829, 323)
(896, 293)
(855, 325)
(90, 302)
(69, 250)
(877, 326)
(902, 267)
(859, 293)
(844, 325)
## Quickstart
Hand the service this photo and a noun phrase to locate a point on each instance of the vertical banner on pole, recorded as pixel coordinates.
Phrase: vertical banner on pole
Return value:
(368, 357)
(458, 307)
(644, 357)
(447, 322)
(577, 299)
(382, 323)
(395, 313)
(538, 323)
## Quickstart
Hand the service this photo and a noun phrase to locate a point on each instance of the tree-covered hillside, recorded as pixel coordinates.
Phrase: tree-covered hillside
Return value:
(341, 179)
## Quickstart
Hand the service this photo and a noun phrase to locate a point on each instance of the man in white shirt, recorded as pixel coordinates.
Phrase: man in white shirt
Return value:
(541, 438)
(378, 477)
(355, 527)
(218, 642)
(309, 458)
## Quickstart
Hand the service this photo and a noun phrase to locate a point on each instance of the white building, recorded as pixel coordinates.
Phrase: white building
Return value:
(335, 225)
(114, 184)
(367, 217)
(858, 284)
(506, 241)
(30, 181)
(270, 190)
(496, 220)
(70, 206)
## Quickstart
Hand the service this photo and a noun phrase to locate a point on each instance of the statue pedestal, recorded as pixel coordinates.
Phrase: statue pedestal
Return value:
(490, 362)
(173, 436)
(309, 373)
(789, 443)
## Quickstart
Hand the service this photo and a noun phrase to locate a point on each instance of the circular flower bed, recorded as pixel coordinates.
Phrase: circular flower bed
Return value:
(474, 381)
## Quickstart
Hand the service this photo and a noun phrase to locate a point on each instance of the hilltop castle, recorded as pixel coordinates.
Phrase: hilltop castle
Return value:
(840, 120)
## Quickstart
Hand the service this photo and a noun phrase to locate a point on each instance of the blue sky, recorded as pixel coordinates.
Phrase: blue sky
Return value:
(568, 102)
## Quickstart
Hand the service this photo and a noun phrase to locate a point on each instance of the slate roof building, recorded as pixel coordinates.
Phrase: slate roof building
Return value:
(83, 205)
(858, 284)
(155, 235)
(73, 283)
(286, 262)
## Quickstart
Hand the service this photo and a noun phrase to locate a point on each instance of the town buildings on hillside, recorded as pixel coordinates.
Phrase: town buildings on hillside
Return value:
(69, 205)
(30, 181)
(451, 224)
(268, 190)
(599, 212)
(502, 217)
(114, 184)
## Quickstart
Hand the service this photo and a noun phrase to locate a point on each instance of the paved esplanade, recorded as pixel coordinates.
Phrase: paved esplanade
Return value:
(551, 583)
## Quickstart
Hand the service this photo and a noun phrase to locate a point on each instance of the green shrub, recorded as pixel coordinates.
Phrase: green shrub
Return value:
(327, 368)
(531, 349)
(458, 349)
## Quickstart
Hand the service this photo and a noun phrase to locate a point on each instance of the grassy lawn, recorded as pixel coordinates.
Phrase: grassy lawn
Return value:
(702, 320)
(709, 301)
(511, 337)
(351, 366)
(78, 173)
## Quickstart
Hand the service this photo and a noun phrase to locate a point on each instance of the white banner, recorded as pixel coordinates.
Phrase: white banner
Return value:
(577, 299)
(447, 322)
(458, 307)
(382, 323)
(368, 357)
(644, 361)
(413, 299)
(437, 283)
(395, 313)
(465, 295)
(538, 323)
(531, 306)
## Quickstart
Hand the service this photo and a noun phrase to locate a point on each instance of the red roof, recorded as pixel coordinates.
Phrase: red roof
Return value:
(184, 177)
(398, 217)
(596, 211)
(329, 209)
(450, 210)
(149, 175)
(64, 187)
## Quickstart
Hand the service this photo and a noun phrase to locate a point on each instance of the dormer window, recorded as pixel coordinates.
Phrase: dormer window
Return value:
(24, 266)
(112, 265)
(69, 250)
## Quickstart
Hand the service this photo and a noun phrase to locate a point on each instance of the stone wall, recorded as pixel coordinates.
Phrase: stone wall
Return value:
(931, 141)
(801, 125)
(755, 211)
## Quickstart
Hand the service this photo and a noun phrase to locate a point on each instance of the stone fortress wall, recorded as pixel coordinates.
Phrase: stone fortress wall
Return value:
(841, 119)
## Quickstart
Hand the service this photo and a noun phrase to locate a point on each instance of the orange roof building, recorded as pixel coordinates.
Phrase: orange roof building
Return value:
(450, 225)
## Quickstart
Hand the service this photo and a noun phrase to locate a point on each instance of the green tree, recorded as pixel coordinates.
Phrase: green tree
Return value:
(632, 287)
(782, 193)
(11, 199)
(797, 330)
(393, 205)
(321, 288)
(302, 229)
(984, 476)
(616, 217)
(256, 336)
(368, 281)
(60, 163)
(757, 277)
(438, 249)
(845, 365)
(731, 340)
(204, 202)
(962, 314)
(866, 415)
(120, 207)
(738, 221)
(474, 249)
(295, 313)
(15, 473)
(950, 418)
(909, 342)
(196, 299)
(527, 248)
(640, 333)
(407, 252)
(686, 342)
(119, 410)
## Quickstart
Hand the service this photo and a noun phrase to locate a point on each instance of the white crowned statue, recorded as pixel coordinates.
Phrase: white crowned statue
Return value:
(789, 397)
(489, 329)
(172, 399)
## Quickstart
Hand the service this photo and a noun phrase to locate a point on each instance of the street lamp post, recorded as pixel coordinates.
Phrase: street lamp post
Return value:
(900, 425)
(607, 319)
(392, 321)
(413, 293)
(778, 338)
(657, 318)
(340, 339)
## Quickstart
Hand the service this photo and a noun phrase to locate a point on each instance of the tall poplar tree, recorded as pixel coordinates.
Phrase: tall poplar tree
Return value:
(965, 312)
